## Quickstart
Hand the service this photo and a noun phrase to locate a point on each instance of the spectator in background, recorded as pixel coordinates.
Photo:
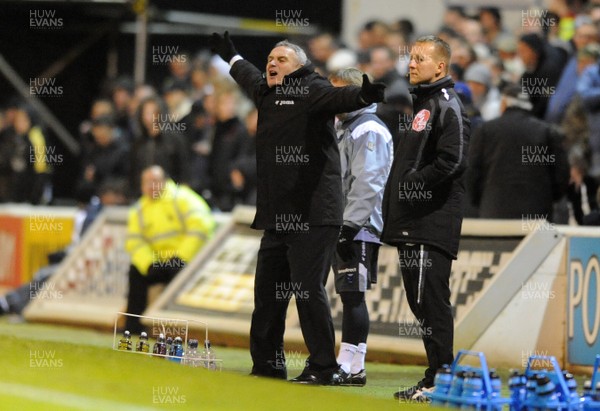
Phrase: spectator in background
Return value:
(30, 171)
(372, 34)
(121, 94)
(486, 97)
(472, 32)
(382, 66)
(141, 93)
(512, 64)
(179, 104)
(179, 71)
(230, 139)
(517, 173)
(198, 141)
(243, 169)
(200, 80)
(101, 107)
(588, 89)
(582, 189)
(543, 66)
(585, 34)
(321, 47)
(166, 227)
(7, 132)
(160, 143)
(491, 23)
(453, 17)
(327, 54)
(107, 158)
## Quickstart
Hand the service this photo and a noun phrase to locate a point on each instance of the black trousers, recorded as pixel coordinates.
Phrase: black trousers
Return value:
(429, 268)
(137, 299)
(293, 264)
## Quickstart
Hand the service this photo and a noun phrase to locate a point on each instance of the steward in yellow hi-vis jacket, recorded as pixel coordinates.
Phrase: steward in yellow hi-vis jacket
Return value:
(165, 229)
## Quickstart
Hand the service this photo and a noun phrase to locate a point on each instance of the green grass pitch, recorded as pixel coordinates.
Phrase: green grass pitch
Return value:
(47, 367)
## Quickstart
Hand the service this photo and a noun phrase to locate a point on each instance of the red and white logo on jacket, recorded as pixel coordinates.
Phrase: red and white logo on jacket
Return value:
(420, 120)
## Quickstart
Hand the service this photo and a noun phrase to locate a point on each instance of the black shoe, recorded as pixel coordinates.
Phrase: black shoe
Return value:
(309, 377)
(415, 393)
(358, 379)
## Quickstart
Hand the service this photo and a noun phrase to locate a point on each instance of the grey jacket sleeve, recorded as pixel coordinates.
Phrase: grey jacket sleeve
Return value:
(370, 157)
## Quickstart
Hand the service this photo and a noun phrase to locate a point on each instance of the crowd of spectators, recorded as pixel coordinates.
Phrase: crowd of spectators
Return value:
(199, 127)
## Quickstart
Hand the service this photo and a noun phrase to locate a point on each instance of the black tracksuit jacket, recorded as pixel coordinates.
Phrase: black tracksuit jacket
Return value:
(423, 197)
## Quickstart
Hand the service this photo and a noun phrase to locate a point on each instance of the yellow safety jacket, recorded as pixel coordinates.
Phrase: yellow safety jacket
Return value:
(176, 224)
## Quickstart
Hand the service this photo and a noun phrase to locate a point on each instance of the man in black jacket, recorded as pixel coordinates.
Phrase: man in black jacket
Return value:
(517, 174)
(299, 202)
(422, 204)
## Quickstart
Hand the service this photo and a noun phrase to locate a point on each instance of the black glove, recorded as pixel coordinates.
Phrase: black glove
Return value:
(372, 92)
(345, 242)
(222, 46)
(169, 267)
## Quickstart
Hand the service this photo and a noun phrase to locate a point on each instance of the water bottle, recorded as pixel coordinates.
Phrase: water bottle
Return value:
(545, 391)
(160, 347)
(208, 356)
(142, 345)
(456, 389)
(587, 389)
(191, 358)
(472, 391)
(125, 342)
(573, 396)
(169, 343)
(442, 383)
(596, 394)
(516, 384)
(496, 386)
(176, 352)
(530, 395)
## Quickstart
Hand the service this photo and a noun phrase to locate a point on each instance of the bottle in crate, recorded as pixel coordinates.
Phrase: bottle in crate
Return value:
(530, 385)
(160, 347)
(456, 388)
(191, 357)
(472, 391)
(572, 386)
(142, 344)
(496, 386)
(596, 394)
(208, 356)
(442, 382)
(125, 342)
(176, 350)
(516, 385)
(587, 389)
(545, 392)
(169, 344)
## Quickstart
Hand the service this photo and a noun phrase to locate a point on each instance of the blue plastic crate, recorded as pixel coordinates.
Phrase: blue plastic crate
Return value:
(487, 402)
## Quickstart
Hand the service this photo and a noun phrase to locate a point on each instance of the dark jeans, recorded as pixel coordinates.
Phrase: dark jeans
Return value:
(434, 311)
(293, 264)
(137, 299)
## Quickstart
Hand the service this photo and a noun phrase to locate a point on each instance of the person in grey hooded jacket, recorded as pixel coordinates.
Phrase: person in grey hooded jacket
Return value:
(366, 151)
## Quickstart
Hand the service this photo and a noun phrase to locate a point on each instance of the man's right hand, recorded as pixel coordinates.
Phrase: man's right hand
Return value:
(372, 92)
(223, 46)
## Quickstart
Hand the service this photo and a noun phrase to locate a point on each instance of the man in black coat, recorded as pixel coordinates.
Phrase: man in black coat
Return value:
(544, 64)
(517, 165)
(422, 203)
(299, 202)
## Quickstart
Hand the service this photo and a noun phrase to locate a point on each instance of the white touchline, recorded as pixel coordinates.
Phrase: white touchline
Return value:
(49, 396)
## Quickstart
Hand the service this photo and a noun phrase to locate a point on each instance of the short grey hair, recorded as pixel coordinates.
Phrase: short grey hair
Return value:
(351, 76)
(302, 59)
